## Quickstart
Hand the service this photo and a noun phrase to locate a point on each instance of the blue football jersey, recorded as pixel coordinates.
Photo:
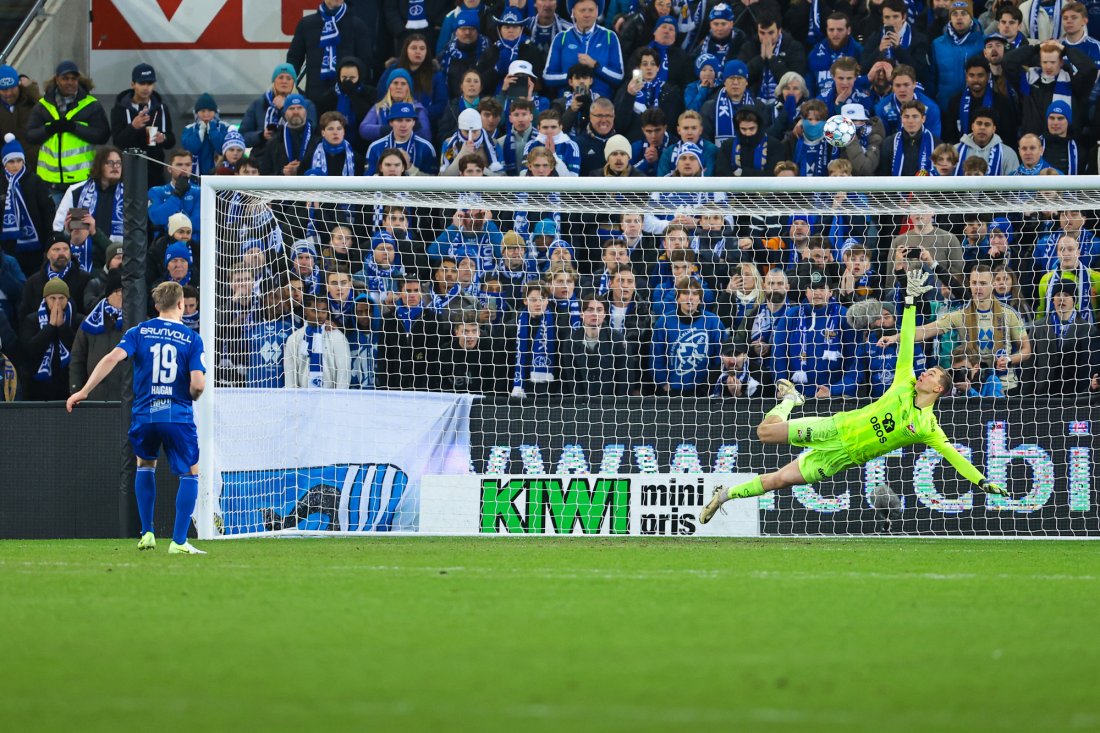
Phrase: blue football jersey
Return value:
(266, 342)
(163, 353)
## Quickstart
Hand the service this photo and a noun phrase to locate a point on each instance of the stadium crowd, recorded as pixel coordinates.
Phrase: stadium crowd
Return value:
(698, 303)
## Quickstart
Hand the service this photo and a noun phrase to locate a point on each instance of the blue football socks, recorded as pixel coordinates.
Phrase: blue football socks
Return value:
(185, 506)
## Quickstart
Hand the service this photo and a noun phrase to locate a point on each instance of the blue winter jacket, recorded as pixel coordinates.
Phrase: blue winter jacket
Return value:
(601, 44)
(949, 62)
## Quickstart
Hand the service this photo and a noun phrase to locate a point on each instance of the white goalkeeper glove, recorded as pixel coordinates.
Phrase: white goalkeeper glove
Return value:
(990, 487)
(916, 284)
(518, 393)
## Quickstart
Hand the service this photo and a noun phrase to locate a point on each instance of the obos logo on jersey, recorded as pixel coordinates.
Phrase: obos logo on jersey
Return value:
(344, 497)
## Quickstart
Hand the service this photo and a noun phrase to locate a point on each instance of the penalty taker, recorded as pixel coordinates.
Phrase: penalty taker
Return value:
(902, 416)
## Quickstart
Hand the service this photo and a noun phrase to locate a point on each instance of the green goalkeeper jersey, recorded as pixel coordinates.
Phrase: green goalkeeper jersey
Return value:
(894, 421)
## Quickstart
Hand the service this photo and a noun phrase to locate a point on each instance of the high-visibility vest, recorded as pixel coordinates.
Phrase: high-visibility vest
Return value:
(65, 158)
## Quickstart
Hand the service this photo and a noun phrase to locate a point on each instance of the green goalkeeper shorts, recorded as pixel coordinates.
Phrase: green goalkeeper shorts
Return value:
(827, 454)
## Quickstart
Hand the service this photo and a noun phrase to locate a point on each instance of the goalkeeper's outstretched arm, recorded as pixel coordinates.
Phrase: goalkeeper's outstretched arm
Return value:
(966, 469)
(916, 285)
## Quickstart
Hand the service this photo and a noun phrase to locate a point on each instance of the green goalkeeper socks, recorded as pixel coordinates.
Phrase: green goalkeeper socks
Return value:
(782, 410)
(747, 489)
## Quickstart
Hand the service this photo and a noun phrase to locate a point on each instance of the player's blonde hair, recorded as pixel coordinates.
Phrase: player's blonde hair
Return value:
(167, 296)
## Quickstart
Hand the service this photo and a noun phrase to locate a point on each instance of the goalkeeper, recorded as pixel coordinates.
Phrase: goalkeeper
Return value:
(902, 416)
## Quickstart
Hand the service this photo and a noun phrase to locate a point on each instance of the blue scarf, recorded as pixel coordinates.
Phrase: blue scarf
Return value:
(996, 160)
(453, 53)
(1034, 170)
(662, 51)
(1062, 327)
(415, 15)
(82, 254)
(330, 40)
(17, 217)
(89, 197)
(807, 327)
(1063, 88)
(381, 280)
(407, 315)
(534, 352)
(744, 309)
(963, 123)
(924, 163)
(813, 158)
(344, 107)
(904, 40)
(1071, 153)
(342, 313)
(314, 344)
(307, 132)
(189, 320)
(759, 155)
(509, 52)
(50, 274)
(714, 48)
(322, 151)
(724, 110)
(573, 308)
(814, 35)
(454, 144)
(1054, 12)
(768, 82)
(954, 34)
(439, 302)
(1084, 292)
(45, 367)
(96, 324)
(272, 115)
(649, 95)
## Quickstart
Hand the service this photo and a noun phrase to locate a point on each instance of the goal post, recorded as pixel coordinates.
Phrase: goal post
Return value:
(473, 412)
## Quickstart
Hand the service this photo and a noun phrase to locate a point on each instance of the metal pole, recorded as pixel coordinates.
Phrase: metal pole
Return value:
(135, 306)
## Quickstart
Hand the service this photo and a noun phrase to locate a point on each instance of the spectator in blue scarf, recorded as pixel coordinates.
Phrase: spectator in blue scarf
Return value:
(204, 137)
(351, 97)
(25, 206)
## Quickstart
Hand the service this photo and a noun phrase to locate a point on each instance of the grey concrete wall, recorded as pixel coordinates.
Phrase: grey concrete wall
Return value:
(60, 32)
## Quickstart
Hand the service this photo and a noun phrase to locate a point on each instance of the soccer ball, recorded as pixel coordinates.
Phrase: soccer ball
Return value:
(839, 131)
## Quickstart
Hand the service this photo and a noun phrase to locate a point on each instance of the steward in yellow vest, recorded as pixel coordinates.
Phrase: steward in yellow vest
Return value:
(68, 122)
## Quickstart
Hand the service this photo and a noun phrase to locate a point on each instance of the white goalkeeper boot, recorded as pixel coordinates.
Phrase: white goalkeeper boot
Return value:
(717, 499)
(785, 390)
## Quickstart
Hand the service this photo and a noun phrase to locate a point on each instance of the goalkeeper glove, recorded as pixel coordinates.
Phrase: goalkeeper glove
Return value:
(990, 487)
(518, 393)
(916, 284)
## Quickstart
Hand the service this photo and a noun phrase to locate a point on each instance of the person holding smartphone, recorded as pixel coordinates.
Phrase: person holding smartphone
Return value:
(139, 119)
(897, 41)
(512, 45)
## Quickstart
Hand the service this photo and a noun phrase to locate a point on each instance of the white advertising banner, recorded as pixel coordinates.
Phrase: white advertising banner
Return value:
(331, 460)
(642, 505)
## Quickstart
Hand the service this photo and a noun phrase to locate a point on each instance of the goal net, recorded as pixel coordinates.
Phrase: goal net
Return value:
(497, 355)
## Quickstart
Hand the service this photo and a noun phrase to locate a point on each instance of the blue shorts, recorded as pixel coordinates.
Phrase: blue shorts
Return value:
(180, 441)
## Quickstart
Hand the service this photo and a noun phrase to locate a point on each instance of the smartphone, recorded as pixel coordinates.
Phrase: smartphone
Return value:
(76, 218)
(637, 74)
(518, 90)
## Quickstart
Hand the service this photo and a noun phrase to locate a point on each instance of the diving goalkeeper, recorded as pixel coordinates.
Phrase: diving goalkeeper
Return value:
(902, 416)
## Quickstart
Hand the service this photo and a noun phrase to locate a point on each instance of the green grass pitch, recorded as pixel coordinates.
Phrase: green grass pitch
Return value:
(410, 634)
